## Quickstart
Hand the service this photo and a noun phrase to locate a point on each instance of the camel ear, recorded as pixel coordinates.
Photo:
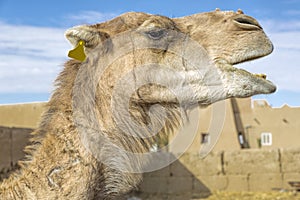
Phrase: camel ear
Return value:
(89, 35)
(84, 38)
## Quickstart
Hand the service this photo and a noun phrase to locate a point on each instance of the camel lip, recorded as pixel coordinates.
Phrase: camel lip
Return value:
(260, 78)
(254, 55)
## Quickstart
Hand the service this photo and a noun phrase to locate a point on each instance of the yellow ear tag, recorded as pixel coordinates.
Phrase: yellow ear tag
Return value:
(78, 52)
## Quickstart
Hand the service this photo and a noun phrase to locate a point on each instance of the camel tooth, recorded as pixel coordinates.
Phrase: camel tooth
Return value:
(264, 76)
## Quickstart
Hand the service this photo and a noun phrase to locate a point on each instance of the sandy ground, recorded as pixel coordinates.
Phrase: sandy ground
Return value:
(254, 196)
(276, 195)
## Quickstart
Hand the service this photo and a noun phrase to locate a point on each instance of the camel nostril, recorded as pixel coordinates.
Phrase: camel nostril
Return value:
(247, 22)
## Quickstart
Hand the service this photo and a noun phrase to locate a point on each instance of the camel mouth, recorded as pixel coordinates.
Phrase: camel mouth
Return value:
(266, 86)
(261, 77)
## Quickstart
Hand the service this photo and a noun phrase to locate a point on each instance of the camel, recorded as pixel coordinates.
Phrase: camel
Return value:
(138, 72)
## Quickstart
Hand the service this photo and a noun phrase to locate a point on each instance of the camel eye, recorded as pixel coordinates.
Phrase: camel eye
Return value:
(156, 34)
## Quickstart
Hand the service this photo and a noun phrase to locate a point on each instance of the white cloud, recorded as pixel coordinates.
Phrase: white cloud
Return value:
(293, 12)
(90, 17)
(30, 57)
(281, 25)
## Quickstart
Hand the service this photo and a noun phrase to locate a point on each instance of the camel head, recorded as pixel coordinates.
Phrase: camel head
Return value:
(188, 59)
(140, 71)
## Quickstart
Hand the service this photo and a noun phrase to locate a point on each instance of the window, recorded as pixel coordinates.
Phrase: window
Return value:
(205, 138)
(266, 139)
(241, 138)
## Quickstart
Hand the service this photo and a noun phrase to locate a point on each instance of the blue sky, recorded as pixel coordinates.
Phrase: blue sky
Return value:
(33, 48)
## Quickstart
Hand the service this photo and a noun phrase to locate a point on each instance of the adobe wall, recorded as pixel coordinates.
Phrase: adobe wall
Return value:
(25, 115)
(191, 176)
(12, 143)
(235, 171)
(216, 119)
(282, 122)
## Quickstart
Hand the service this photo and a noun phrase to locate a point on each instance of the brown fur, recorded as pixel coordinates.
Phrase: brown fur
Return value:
(58, 166)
